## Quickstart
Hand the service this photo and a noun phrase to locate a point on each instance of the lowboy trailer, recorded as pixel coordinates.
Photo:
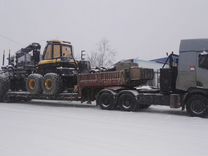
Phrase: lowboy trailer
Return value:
(183, 84)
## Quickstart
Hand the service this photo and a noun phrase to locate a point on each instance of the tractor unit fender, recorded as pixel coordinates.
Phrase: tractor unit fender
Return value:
(193, 91)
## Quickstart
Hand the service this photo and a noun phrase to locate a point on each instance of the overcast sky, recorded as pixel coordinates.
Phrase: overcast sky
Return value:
(145, 29)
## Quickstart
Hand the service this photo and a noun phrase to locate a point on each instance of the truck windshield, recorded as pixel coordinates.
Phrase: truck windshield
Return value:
(203, 60)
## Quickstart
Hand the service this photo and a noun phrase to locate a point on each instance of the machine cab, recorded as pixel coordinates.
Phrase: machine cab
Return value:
(56, 54)
(57, 50)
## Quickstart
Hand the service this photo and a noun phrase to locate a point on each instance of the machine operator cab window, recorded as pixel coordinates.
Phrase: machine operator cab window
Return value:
(55, 51)
(47, 53)
(203, 60)
(66, 51)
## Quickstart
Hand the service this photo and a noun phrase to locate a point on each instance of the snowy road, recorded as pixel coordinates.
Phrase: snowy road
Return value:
(51, 129)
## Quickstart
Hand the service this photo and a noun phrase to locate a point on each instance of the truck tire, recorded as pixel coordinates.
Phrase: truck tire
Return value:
(33, 83)
(51, 84)
(197, 105)
(106, 100)
(4, 86)
(127, 102)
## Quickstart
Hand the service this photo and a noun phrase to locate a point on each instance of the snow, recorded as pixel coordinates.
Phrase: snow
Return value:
(54, 128)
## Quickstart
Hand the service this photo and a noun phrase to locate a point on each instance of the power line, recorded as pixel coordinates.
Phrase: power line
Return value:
(11, 40)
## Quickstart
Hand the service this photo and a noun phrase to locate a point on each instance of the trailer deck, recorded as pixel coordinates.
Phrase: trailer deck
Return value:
(22, 95)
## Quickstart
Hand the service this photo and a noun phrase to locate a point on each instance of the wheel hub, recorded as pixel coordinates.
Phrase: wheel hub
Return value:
(48, 84)
(126, 103)
(32, 84)
(105, 102)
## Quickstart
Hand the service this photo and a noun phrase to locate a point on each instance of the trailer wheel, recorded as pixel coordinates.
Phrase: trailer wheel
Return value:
(127, 102)
(51, 84)
(4, 86)
(33, 83)
(197, 105)
(106, 100)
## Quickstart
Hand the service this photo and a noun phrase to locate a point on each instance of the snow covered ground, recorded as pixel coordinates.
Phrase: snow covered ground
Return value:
(62, 128)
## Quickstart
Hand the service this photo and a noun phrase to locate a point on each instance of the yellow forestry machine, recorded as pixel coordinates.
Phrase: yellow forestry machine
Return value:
(50, 73)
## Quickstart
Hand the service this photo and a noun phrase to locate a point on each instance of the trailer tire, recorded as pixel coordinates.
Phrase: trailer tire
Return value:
(33, 83)
(4, 86)
(127, 102)
(106, 100)
(51, 84)
(197, 105)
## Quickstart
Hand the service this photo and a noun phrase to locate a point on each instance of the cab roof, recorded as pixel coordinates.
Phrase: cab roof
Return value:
(59, 42)
(193, 45)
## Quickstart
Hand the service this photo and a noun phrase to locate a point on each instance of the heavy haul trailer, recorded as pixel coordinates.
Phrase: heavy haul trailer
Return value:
(183, 85)
(89, 85)
(56, 75)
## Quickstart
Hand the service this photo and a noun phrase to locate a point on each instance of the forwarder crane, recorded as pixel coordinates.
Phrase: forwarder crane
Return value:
(21, 65)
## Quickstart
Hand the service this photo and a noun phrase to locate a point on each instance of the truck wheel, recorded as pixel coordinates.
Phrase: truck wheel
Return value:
(33, 83)
(4, 86)
(51, 84)
(197, 105)
(106, 100)
(127, 102)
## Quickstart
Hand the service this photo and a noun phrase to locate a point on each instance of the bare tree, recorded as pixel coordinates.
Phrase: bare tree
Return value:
(103, 56)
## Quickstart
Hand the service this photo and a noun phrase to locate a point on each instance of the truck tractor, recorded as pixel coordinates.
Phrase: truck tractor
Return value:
(183, 84)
